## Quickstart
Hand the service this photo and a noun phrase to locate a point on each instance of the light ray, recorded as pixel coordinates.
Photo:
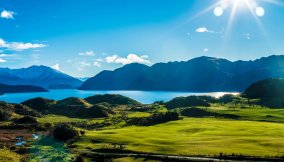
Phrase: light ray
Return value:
(206, 10)
(231, 19)
(275, 2)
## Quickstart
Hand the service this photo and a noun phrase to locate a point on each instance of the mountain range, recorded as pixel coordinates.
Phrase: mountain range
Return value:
(42, 76)
(200, 74)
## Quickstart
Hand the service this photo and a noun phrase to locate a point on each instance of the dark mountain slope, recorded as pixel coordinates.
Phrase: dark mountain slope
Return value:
(199, 74)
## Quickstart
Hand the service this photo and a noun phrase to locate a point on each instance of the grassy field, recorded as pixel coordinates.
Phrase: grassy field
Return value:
(255, 114)
(258, 131)
(6, 155)
(251, 135)
(58, 119)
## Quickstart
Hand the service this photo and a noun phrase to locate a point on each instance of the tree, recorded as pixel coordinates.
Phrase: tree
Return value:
(65, 132)
(26, 120)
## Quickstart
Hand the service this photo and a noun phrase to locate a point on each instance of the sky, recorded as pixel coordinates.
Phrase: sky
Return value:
(82, 38)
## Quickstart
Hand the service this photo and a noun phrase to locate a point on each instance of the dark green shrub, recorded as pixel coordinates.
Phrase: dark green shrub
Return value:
(26, 120)
(5, 115)
(65, 132)
(187, 102)
(154, 119)
(227, 98)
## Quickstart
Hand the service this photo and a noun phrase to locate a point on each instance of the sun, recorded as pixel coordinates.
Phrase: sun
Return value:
(232, 7)
(238, 5)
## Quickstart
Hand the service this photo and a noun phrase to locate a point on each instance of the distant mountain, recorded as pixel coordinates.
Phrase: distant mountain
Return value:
(20, 88)
(200, 74)
(38, 76)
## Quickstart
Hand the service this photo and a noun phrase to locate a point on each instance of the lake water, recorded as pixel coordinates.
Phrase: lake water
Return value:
(145, 97)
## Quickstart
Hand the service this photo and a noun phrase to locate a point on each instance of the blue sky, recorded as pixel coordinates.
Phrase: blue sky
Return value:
(82, 38)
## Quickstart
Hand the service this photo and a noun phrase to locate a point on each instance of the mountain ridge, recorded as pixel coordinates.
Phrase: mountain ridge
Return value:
(198, 74)
(42, 76)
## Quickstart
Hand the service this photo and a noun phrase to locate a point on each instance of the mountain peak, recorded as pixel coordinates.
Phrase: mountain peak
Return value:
(38, 75)
(207, 58)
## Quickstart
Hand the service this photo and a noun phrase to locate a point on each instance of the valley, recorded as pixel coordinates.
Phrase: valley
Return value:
(115, 127)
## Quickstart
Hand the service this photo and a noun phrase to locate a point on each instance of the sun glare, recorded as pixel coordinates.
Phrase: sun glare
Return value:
(237, 6)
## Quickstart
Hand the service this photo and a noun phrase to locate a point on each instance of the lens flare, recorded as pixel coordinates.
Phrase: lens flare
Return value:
(259, 11)
(218, 11)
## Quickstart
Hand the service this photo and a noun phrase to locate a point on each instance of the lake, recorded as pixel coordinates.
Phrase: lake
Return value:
(145, 97)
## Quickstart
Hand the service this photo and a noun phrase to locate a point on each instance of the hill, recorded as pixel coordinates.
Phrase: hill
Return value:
(198, 74)
(40, 104)
(270, 92)
(71, 107)
(42, 76)
(20, 88)
(113, 99)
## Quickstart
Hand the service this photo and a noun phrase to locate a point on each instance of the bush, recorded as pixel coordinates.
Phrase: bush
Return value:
(26, 120)
(65, 132)
(24, 110)
(154, 119)
(5, 115)
(196, 112)
(188, 102)
(227, 98)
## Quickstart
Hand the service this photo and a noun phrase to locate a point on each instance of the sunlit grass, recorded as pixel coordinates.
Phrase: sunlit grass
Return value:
(6, 155)
(193, 136)
(58, 119)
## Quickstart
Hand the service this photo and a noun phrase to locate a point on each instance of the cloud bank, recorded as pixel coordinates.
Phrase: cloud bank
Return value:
(19, 46)
(131, 58)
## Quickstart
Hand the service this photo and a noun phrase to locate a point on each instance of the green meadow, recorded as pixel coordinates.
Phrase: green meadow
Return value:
(185, 126)
(258, 132)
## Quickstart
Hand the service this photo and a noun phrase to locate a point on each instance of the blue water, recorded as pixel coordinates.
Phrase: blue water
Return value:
(145, 97)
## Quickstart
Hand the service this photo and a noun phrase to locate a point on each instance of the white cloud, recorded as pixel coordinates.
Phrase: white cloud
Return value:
(131, 58)
(56, 67)
(24, 46)
(2, 60)
(111, 59)
(203, 30)
(97, 64)
(87, 53)
(7, 14)
(205, 50)
(19, 46)
(3, 43)
(8, 55)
